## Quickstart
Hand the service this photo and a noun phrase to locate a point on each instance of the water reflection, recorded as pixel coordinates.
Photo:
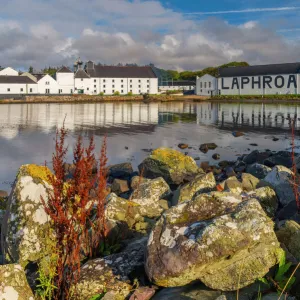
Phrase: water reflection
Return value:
(27, 130)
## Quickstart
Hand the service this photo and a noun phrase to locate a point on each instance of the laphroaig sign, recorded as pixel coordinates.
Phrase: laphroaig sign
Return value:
(259, 82)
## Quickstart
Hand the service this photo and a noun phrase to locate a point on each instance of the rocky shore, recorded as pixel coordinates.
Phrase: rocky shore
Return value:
(176, 230)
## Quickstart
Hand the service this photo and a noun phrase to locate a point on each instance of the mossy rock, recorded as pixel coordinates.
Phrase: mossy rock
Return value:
(26, 226)
(289, 235)
(223, 241)
(13, 283)
(170, 164)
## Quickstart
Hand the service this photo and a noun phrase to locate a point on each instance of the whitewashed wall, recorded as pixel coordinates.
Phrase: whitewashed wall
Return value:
(18, 89)
(65, 82)
(202, 85)
(85, 84)
(176, 88)
(47, 82)
(241, 86)
(9, 71)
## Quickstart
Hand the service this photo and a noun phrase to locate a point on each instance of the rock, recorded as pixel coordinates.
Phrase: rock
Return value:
(13, 283)
(258, 170)
(216, 156)
(237, 133)
(205, 165)
(282, 158)
(212, 238)
(280, 179)
(170, 164)
(164, 204)
(275, 139)
(26, 228)
(268, 200)
(194, 291)
(224, 163)
(136, 181)
(143, 293)
(208, 146)
(249, 182)
(148, 194)
(289, 212)
(201, 184)
(230, 172)
(274, 296)
(253, 144)
(289, 235)
(120, 171)
(256, 157)
(183, 146)
(232, 185)
(119, 186)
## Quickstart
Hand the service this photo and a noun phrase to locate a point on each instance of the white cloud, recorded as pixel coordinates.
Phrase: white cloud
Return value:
(113, 31)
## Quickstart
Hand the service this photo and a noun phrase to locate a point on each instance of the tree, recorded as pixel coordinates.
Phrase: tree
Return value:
(30, 70)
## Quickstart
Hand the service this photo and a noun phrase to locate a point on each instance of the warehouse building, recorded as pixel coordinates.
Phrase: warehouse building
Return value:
(253, 80)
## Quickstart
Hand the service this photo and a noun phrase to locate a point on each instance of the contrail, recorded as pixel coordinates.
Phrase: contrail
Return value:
(250, 10)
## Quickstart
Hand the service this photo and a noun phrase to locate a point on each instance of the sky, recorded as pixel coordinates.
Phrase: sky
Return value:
(172, 34)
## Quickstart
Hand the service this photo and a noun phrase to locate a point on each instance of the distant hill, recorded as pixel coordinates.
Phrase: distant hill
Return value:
(191, 75)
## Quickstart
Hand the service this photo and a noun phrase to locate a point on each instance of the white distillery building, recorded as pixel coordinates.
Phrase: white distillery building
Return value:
(96, 79)
(17, 85)
(253, 80)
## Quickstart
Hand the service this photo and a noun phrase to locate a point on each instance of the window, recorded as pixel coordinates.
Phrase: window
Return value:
(139, 86)
(104, 91)
(122, 80)
(30, 90)
(47, 91)
(104, 85)
(81, 79)
(71, 91)
(139, 91)
(113, 91)
(148, 91)
(139, 80)
(113, 86)
(122, 91)
(75, 89)
(130, 80)
(21, 89)
(201, 85)
(122, 85)
(131, 86)
(148, 80)
(205, 84)
(209, 84)
(95, 91)
(8, 90)
(148, 86)
(130, 91)
(113, 80)
(103, 80)
(47, 83)
(95, 86)
(95, 80)
(201, 91)
(87, 89)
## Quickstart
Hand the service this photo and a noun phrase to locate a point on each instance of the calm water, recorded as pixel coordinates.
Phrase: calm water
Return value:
(27, 130)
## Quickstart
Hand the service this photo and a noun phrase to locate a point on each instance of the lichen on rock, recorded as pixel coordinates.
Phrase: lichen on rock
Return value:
(13, 283)
(170, 164)
(211, 242)
(26, 227)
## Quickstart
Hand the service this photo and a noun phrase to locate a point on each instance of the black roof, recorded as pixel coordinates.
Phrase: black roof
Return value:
(275, 69)
(178, 83)
(64, 69)
(81, 74)
(121, 72)
(16, 79)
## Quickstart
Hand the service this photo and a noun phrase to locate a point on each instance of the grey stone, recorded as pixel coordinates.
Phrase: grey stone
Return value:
(258, 170)
(282, 158)
(123, 170)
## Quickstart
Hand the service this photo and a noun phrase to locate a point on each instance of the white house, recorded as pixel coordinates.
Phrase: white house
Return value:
(206, 85)
(47, 85)
(17, 85)
(9, 72)
(65, 80)
(108, 80)
(177, 85)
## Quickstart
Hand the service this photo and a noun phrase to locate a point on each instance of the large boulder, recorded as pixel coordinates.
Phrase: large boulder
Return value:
(202, 183)
(13, 283)
(289, 235)
(26, 228)
(217, 238)
(170, 164)
(282, 158)
(258, 170)
(123, 170)
(112, 273)
(249, 182)
(280, 179)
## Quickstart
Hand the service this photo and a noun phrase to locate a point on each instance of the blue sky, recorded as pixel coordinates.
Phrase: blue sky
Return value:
(173, 34)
